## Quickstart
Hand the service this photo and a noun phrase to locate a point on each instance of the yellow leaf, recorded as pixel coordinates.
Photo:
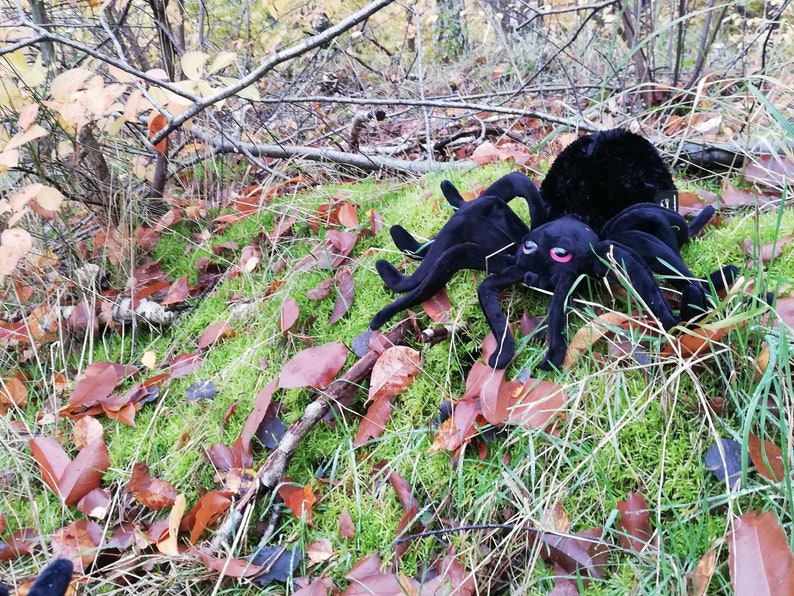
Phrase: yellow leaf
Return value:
(149, 359)
(32, 75)
(250, 93)
(27, 116)
(68, 82)
(48, 197)
(19, 139)
(14, 245)
(168, 545)
(221, 61)
(8, 160)
(193, 64)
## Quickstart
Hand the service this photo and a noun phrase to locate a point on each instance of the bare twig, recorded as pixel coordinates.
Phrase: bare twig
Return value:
(368, 163)
(272, 471)
(278, 58)
(439, 103)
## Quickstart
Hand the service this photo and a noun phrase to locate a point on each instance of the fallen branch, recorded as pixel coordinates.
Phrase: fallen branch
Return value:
(274, 468)
(367, 163)
(272, 471)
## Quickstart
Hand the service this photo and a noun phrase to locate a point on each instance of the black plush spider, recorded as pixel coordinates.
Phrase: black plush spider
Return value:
(596, 213)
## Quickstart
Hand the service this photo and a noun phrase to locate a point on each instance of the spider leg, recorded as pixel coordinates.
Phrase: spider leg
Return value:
(665, 225)
(701, 220)
(53, 580)
(658, 255)
(407, 244)
(428, 279)
(451, 194)
(484, 244)
(695, 301)
(639, 275)
(558, 345)
(488, 295)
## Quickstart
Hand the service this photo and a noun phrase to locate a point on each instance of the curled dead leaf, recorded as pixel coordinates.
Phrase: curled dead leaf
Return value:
(151, 492)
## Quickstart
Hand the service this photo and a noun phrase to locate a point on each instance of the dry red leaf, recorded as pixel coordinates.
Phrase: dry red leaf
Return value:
(586, 337)
(153, 493)
(214, 333)
(229, 567)
(375, 221)
(768, 251)
(576, 553)
(773, 170)
(97, 382)
(695, 342)
(334, 251)
(125, 413)
(373, 423)
(71, 480)
(185, 364)
(393, 372)
(438, 307)
(79, 542)
(207, 509)
(495, 395)
(319, 551)
(537, 404)
(347, 215)
(785, 310)
(689, 203)
(364, 567)
(257, 415)
(290, 311)
(383, 584)
(767, 458)
(13, 393)
(220, 456)
(322, 290)
(703, 572)
(458, 428)
(299, 499)
(319, 587)
(452, 578)
(635, 529)
(759, 556)
(177, 292)
(95, 504)
(157, 123)
(487, 152)
(347, 530)
(313, 367)
(344, 296)
(86, 430)
(19, 544)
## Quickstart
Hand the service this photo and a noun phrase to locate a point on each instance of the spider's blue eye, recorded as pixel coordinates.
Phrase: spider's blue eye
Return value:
(560, 254)
(529, 247)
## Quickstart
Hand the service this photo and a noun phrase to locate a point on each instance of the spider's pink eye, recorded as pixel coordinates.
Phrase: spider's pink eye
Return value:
(529, 247)
(560, 255)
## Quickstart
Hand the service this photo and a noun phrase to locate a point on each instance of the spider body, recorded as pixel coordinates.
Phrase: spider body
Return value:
(619, 233)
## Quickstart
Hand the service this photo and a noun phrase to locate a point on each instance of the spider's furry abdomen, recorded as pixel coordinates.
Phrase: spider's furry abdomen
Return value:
(599, 175)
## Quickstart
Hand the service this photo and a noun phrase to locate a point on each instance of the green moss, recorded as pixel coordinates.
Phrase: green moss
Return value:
(626, 427)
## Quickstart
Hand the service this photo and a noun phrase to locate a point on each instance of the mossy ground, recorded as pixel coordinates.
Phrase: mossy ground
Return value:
(628, 426)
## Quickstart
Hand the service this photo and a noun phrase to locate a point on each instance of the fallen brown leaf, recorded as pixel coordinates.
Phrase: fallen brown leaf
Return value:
(759, 556)
(151, 492)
